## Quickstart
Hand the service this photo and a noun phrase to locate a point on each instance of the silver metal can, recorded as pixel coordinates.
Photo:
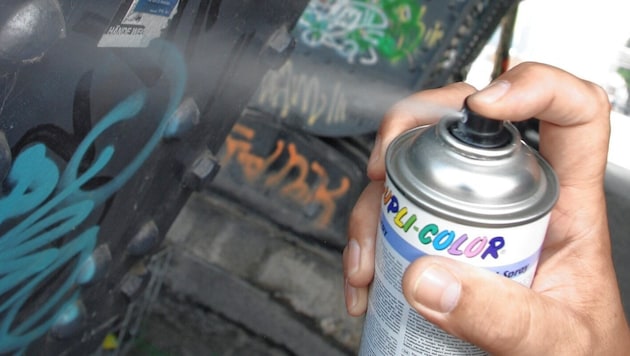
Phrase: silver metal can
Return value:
(466, 188)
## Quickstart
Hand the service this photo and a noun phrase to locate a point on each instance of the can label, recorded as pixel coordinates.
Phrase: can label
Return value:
(407, 232)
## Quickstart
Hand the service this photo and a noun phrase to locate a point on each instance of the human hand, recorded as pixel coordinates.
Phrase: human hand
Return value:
(573, 306)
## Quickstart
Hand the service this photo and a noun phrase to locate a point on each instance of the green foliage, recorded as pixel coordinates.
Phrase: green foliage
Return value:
(625, 74)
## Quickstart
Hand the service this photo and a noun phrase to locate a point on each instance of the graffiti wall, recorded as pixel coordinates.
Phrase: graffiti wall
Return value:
(104, 133)
(46, 236)
(297, 180)
(112, 113)
(368, 32)
(355, 58)
(287, 92)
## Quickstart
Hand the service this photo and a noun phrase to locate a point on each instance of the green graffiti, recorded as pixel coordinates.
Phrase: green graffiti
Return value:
(406, 29)
(365, 30)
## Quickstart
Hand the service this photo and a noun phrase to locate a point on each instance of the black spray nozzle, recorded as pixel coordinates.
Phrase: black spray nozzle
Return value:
(478, 131)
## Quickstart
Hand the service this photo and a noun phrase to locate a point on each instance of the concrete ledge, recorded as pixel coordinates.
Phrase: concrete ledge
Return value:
(244, 304)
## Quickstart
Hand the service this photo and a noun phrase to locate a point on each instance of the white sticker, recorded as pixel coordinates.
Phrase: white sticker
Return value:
(137, 22)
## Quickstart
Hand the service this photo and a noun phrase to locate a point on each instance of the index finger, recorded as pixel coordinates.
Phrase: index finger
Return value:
(574, 116)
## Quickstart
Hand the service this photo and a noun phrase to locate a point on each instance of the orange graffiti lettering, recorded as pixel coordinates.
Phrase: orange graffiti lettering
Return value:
(252, 165)
(291, 179)
(327, 197)
(297, 188)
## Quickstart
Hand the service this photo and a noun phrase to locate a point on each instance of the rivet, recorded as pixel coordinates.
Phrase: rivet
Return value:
(96, 266)
(144, 240)
(278, 48)
(29, 29)
(202, 171)
(185, 117)
(70, 321)
(135, 280)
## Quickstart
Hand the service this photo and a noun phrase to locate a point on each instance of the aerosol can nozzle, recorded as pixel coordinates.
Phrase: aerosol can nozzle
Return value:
(478, 131)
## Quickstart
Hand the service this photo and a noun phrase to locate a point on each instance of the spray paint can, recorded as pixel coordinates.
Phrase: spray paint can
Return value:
(466, 188)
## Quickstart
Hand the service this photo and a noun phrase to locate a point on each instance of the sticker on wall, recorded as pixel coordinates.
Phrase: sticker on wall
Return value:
(137, 22)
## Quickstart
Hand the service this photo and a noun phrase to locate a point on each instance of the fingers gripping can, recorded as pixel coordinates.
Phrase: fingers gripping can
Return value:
(466, 188)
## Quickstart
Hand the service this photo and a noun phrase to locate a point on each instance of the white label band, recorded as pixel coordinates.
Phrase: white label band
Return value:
(406, 233)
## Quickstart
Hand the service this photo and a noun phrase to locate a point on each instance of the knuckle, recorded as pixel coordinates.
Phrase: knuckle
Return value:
(600, 97)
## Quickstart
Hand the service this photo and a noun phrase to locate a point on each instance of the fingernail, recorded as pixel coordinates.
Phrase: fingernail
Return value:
(437, 289)
(493, 92)
(376, 152)
(354, 257)
(351, 296)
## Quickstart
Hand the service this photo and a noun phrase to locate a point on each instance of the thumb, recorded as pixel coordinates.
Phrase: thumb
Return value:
(486, 309)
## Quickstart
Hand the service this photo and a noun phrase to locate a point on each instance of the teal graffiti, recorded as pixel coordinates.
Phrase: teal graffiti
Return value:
(364, 31)
(39, 245)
